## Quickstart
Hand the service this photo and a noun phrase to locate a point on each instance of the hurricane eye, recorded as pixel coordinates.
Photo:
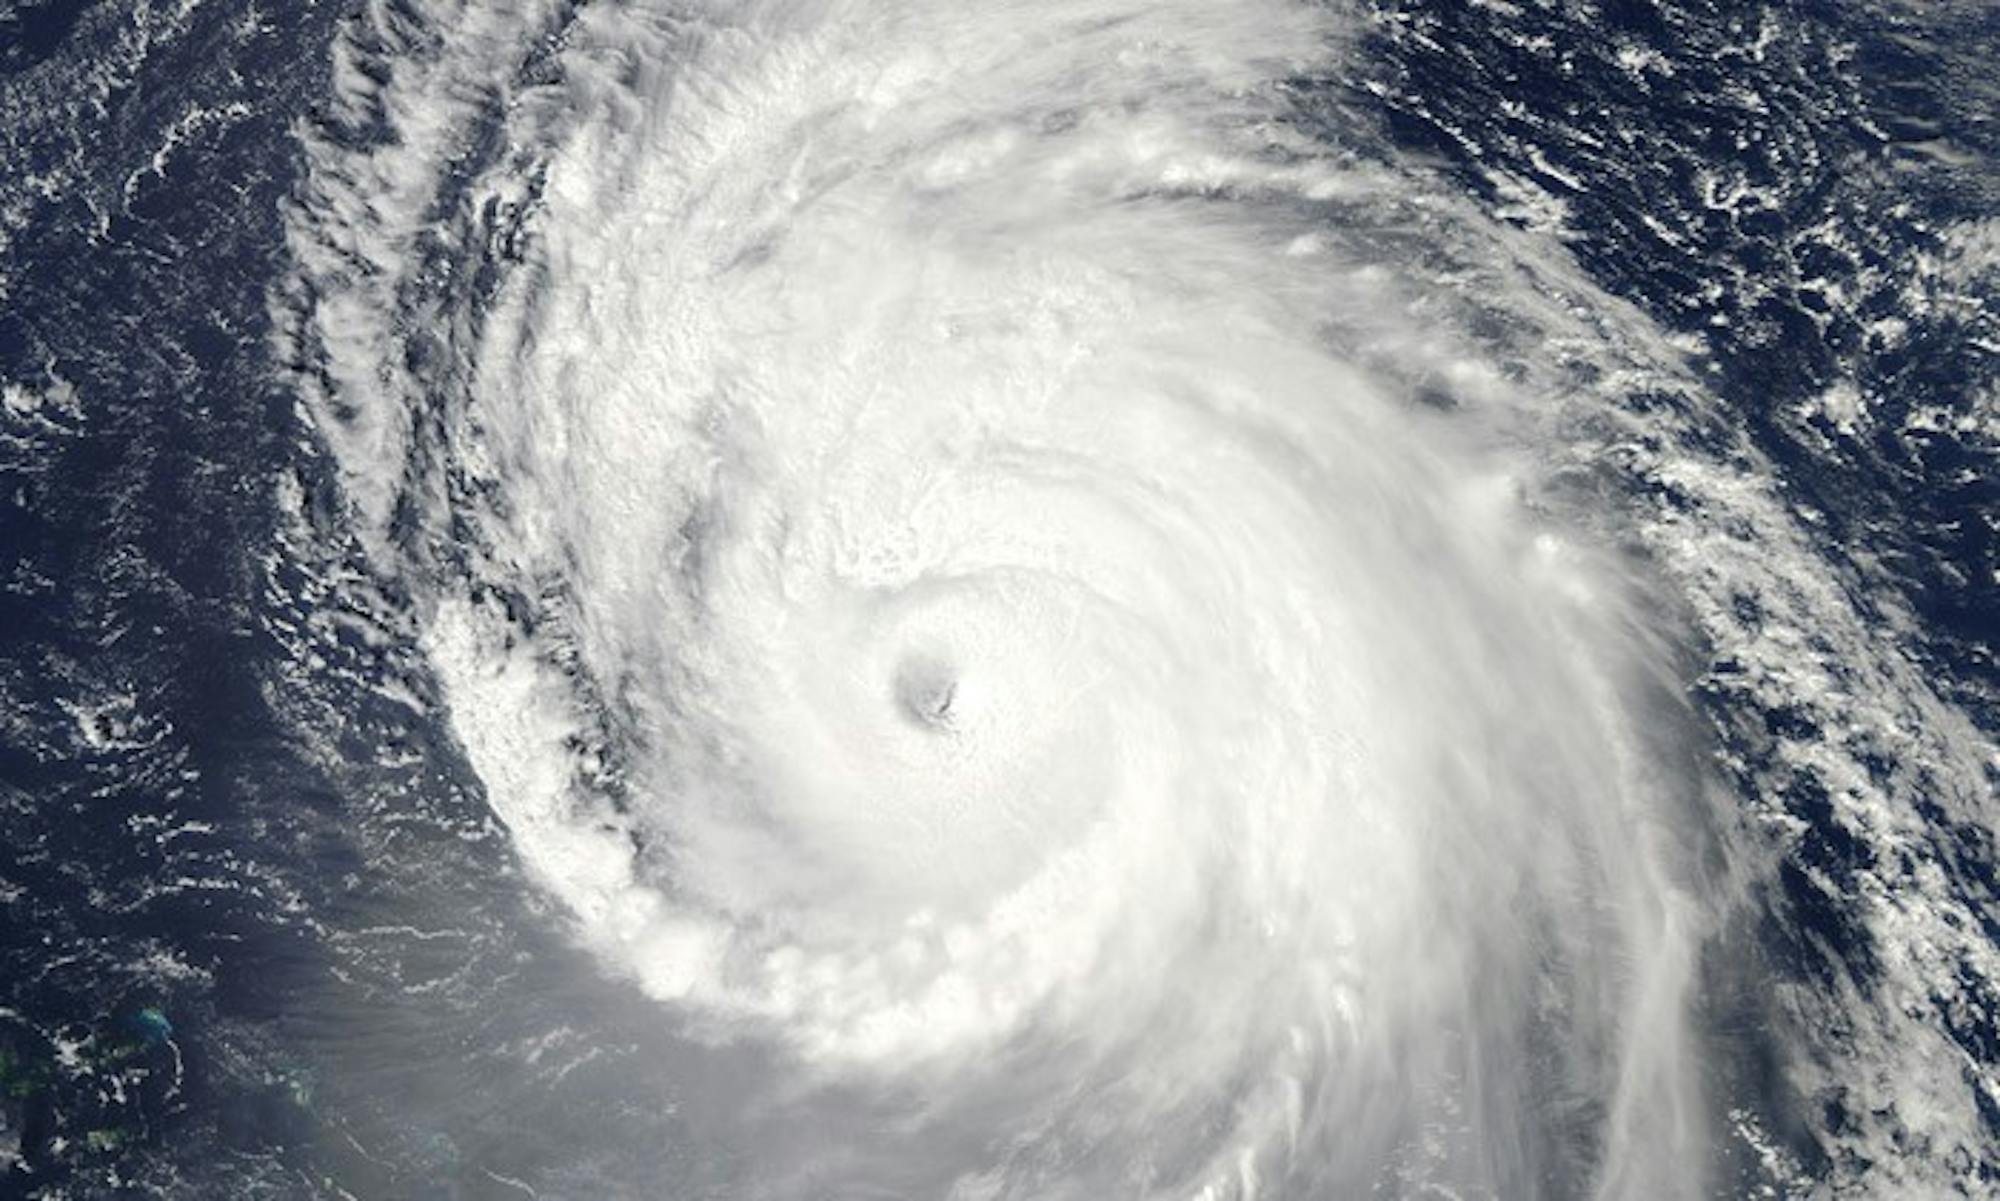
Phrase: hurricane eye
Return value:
(925, 689)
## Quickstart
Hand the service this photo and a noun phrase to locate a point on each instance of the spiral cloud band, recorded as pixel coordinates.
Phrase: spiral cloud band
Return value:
(956, 564)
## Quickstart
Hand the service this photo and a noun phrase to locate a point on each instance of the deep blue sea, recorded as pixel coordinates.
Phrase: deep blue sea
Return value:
(267, 928)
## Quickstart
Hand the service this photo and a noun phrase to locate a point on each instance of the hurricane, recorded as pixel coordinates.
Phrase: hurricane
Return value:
(975, 588)
(1041, 610)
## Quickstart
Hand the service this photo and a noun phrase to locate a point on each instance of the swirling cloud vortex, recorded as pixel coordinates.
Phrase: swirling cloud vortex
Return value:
(1006, 632)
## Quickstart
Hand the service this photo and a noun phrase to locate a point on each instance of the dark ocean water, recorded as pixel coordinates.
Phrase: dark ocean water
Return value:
(259, 935)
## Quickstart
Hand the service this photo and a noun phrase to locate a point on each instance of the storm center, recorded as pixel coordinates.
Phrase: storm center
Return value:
(925, 688)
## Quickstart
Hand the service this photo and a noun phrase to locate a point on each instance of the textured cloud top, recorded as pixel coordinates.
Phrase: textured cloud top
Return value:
(985, 552)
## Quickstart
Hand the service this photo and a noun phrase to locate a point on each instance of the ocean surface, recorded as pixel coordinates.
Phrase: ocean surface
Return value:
(840, 600)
